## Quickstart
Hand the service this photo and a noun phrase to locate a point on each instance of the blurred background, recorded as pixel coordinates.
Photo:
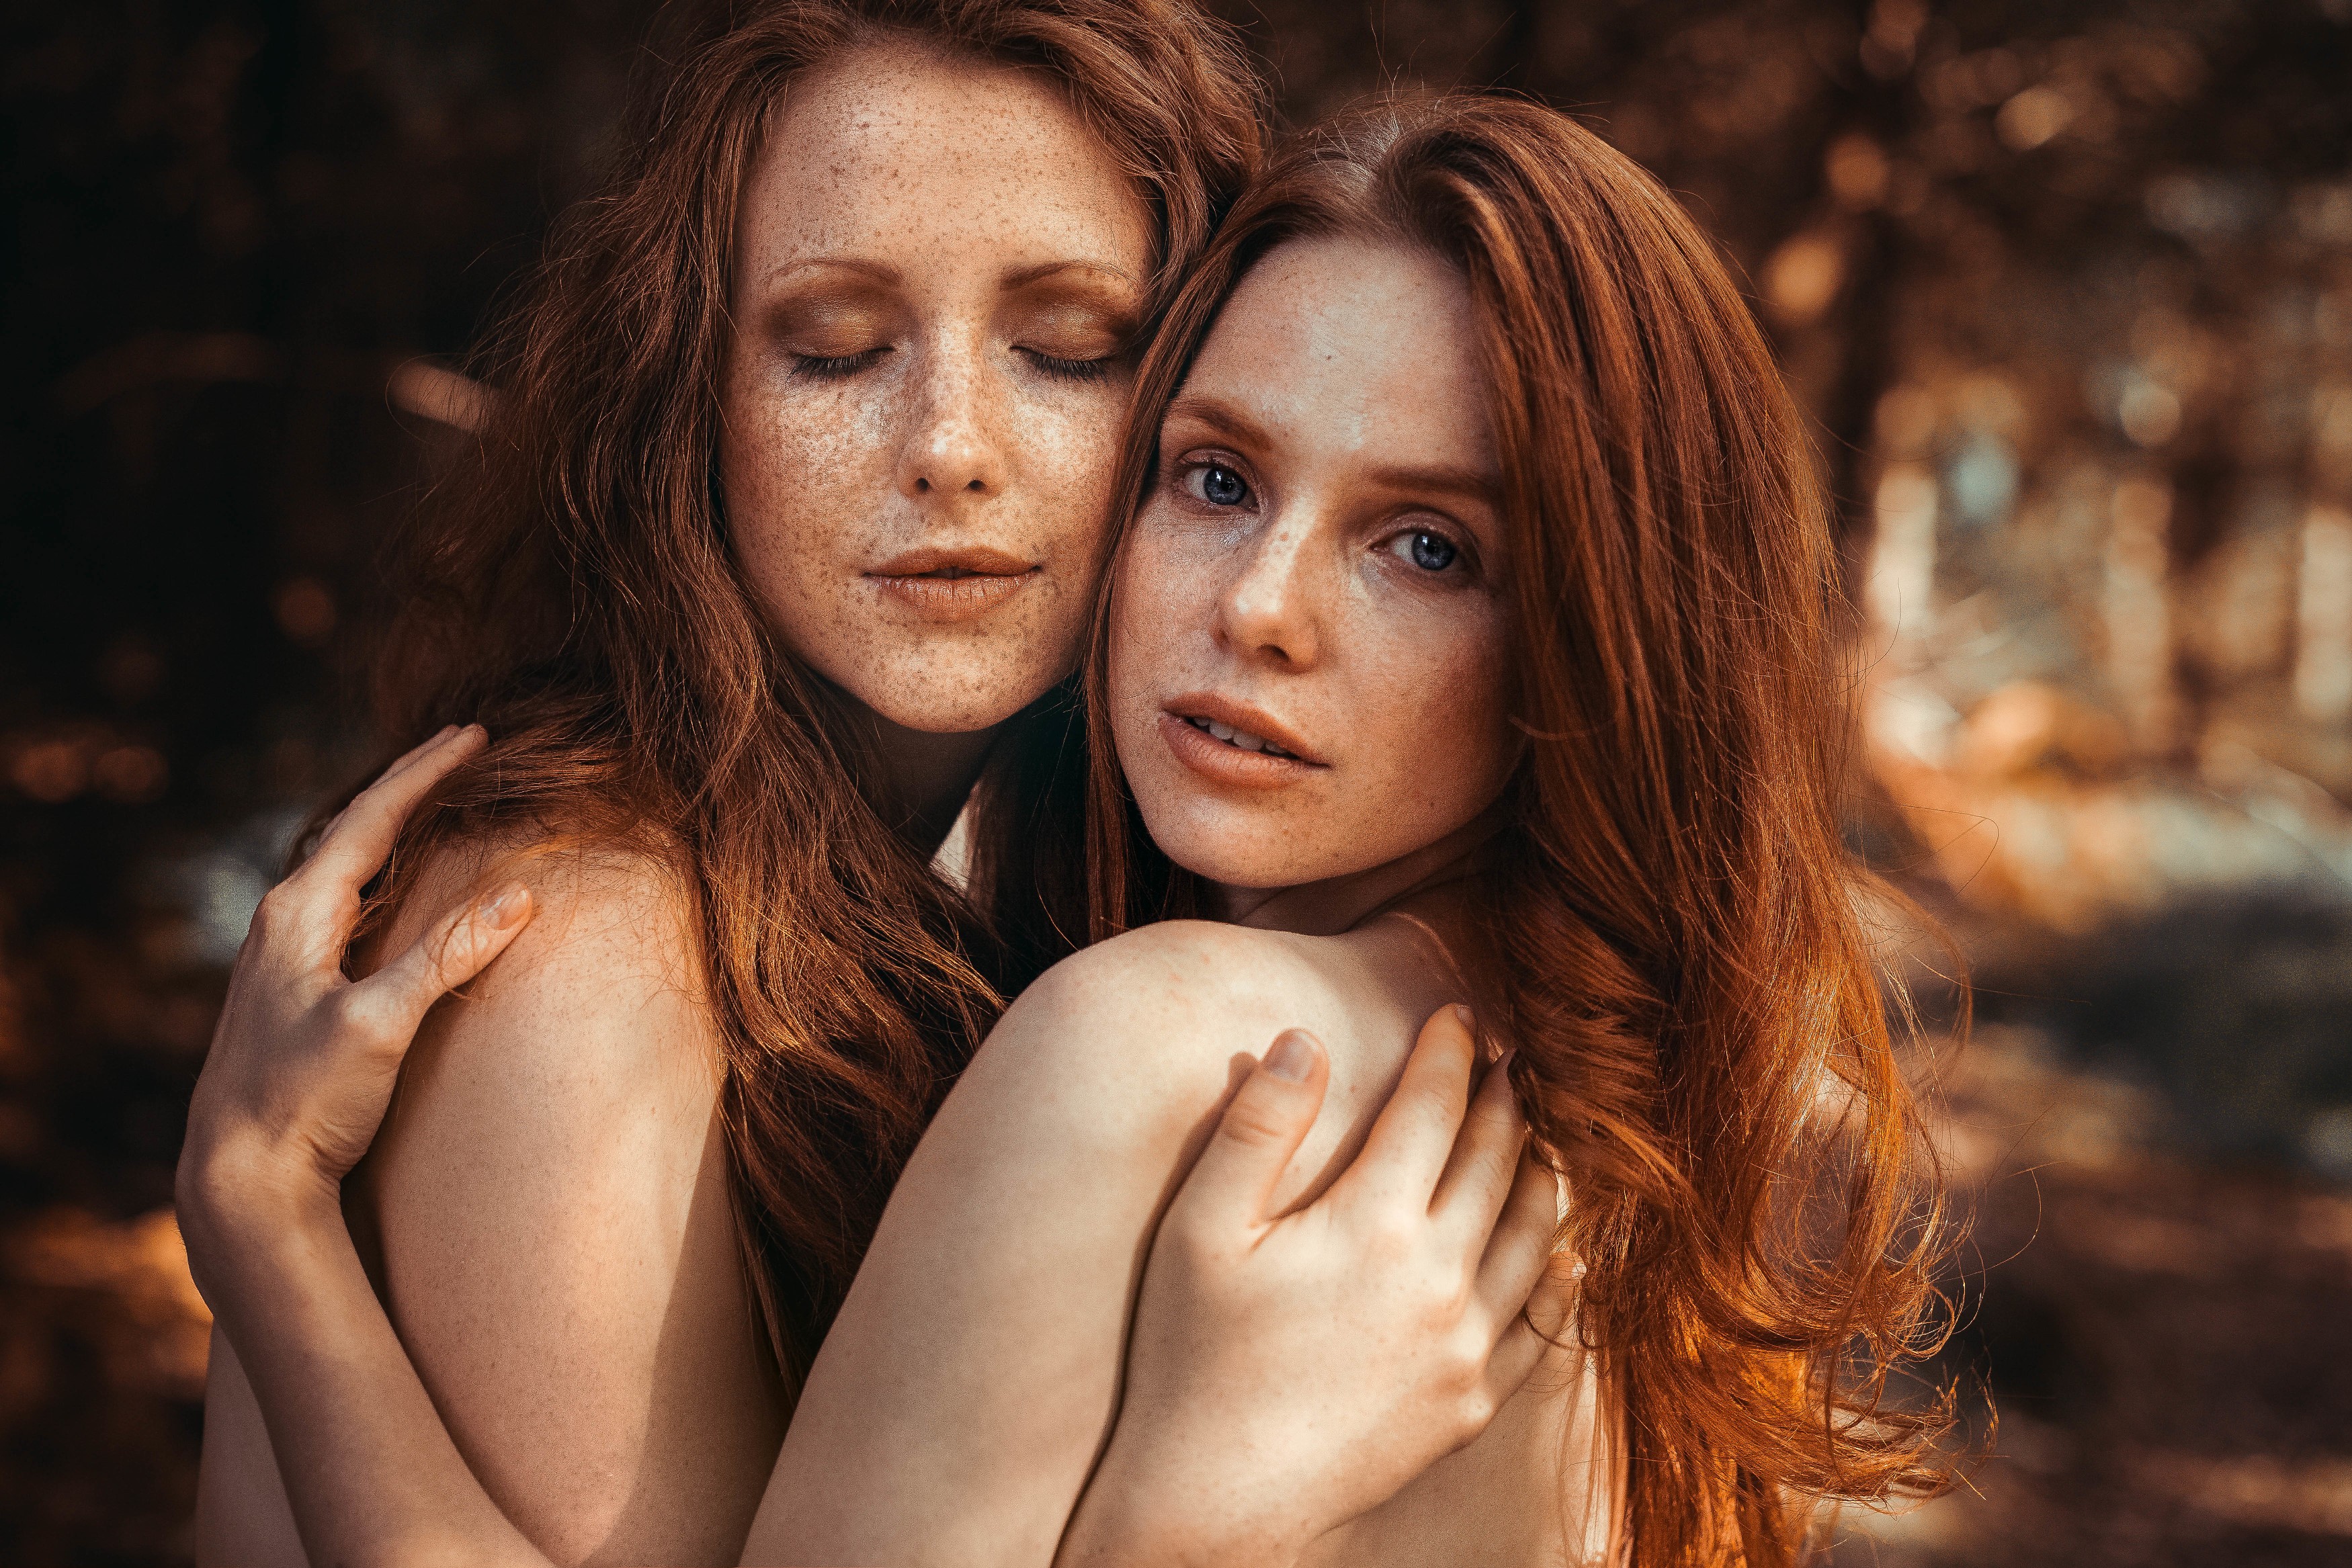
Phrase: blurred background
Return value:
(2066, 286)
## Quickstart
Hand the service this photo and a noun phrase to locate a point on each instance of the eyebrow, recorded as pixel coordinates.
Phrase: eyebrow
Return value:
(874, 271)
(1219, 416)
(1022, 277)
(888, 276)
(1444, 478)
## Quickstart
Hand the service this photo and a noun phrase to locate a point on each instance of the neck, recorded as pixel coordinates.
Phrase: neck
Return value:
(923, 778)
(1342, 903)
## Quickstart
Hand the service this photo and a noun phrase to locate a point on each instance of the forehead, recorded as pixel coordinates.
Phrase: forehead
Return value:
(894, 150)
(1353, 347)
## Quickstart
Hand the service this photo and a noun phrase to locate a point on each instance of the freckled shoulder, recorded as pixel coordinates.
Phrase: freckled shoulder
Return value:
(1135, 1036)
(549, 1208)
(1192, 984)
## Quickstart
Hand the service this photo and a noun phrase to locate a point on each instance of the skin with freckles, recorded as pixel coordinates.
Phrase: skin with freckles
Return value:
(937, 276)
(925, 392)
(1320, 567)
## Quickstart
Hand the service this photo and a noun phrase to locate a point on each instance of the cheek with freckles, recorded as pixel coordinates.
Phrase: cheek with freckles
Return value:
(1428, 735)
(1413, 709)
(801, 477)
(808, 478)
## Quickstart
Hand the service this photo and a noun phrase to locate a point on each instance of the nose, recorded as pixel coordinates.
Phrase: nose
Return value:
(1272, 607)
(951, 450)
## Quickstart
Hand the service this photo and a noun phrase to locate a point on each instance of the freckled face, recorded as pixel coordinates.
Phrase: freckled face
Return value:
(937, 274)
(1306, 662)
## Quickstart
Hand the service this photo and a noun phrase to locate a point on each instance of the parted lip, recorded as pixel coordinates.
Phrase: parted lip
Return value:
(1211, 707)
(972, 560)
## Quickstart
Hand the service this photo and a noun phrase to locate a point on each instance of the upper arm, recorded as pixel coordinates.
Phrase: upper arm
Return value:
(959, 1402)
(243, 1520)
(557, 1249)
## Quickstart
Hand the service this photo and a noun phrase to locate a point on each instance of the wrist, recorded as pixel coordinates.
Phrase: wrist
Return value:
(236, 1203)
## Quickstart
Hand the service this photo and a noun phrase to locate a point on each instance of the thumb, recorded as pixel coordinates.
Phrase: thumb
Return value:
(1263, 1125)
(456, 947)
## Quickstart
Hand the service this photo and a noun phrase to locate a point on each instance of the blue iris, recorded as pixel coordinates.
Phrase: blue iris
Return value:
(1432, 553)
(1223, 487)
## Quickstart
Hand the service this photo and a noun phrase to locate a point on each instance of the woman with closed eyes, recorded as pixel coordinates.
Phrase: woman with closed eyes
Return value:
(783, 531)
(1468, 635)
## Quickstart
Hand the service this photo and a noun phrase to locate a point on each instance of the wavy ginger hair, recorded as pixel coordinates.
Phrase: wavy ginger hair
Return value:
(573, 590)
(1673, 933)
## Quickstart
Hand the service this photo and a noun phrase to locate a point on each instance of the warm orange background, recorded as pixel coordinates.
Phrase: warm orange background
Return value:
(2067, 285)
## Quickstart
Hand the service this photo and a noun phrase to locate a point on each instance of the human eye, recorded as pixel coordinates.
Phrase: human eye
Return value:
(1427, 550)
(835, 367)
(1070, 331)
(1214, 483)
(1070, 370)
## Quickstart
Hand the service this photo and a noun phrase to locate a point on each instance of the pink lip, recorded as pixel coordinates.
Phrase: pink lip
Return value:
(952, 584)
(1221, 760)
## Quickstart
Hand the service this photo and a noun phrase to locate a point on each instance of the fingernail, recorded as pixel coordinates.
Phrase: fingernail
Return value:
(505, 907)
(1465, 1017)
(443, 732)
(1293, 1056)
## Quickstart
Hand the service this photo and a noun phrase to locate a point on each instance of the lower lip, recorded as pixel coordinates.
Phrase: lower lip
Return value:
(963, 598)
(1214, 759)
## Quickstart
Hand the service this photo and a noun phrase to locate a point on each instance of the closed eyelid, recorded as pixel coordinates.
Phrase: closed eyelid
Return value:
(1074, 327)
(833, 310)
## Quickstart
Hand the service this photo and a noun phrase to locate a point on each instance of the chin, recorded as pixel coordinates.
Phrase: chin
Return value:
(1237, 854)
(965, 695)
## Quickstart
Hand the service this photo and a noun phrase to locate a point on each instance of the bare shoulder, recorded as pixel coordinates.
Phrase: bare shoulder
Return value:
(582, 1059)
(602, 988)
(1169, 996)
(1134, 1038)
(550, 1210)
(1181, 972)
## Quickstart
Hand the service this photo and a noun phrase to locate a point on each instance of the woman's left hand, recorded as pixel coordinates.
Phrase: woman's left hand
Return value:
(304, 1060)
(1252, 1422)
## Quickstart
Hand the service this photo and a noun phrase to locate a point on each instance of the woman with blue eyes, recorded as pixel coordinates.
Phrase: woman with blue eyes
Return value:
(783, 532)
(1467, 637)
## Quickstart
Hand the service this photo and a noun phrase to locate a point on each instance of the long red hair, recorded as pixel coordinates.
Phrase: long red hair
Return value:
(1673, 939)
(571, 587)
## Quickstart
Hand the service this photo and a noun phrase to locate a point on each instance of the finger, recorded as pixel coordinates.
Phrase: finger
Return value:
(357, 843)
(1231, 1184)
(1485, 1158)
(1547, 1321)
(1521, 1247)
(1519, 1352)
(1407, 1151)
(401, 763)
(459, 945)
(398, 764)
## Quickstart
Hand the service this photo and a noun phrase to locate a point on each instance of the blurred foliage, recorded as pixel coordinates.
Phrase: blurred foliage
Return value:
(2065, 286)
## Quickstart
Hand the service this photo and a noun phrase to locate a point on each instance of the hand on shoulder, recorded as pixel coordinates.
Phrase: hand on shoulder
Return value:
(1157, 1022)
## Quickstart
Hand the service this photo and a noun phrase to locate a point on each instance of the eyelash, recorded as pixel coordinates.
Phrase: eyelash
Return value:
(833, 366)
(1070, 370)
(1464, 557)
(1185, 470)
(1462, 553)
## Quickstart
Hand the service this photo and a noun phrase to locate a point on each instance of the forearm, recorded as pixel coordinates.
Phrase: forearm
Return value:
(370, 1470)
(1129, 1518)
(243, 1520)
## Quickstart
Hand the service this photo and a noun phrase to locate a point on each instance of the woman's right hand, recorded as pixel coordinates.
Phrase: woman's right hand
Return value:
(1288, 1372)
(304, 1059)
